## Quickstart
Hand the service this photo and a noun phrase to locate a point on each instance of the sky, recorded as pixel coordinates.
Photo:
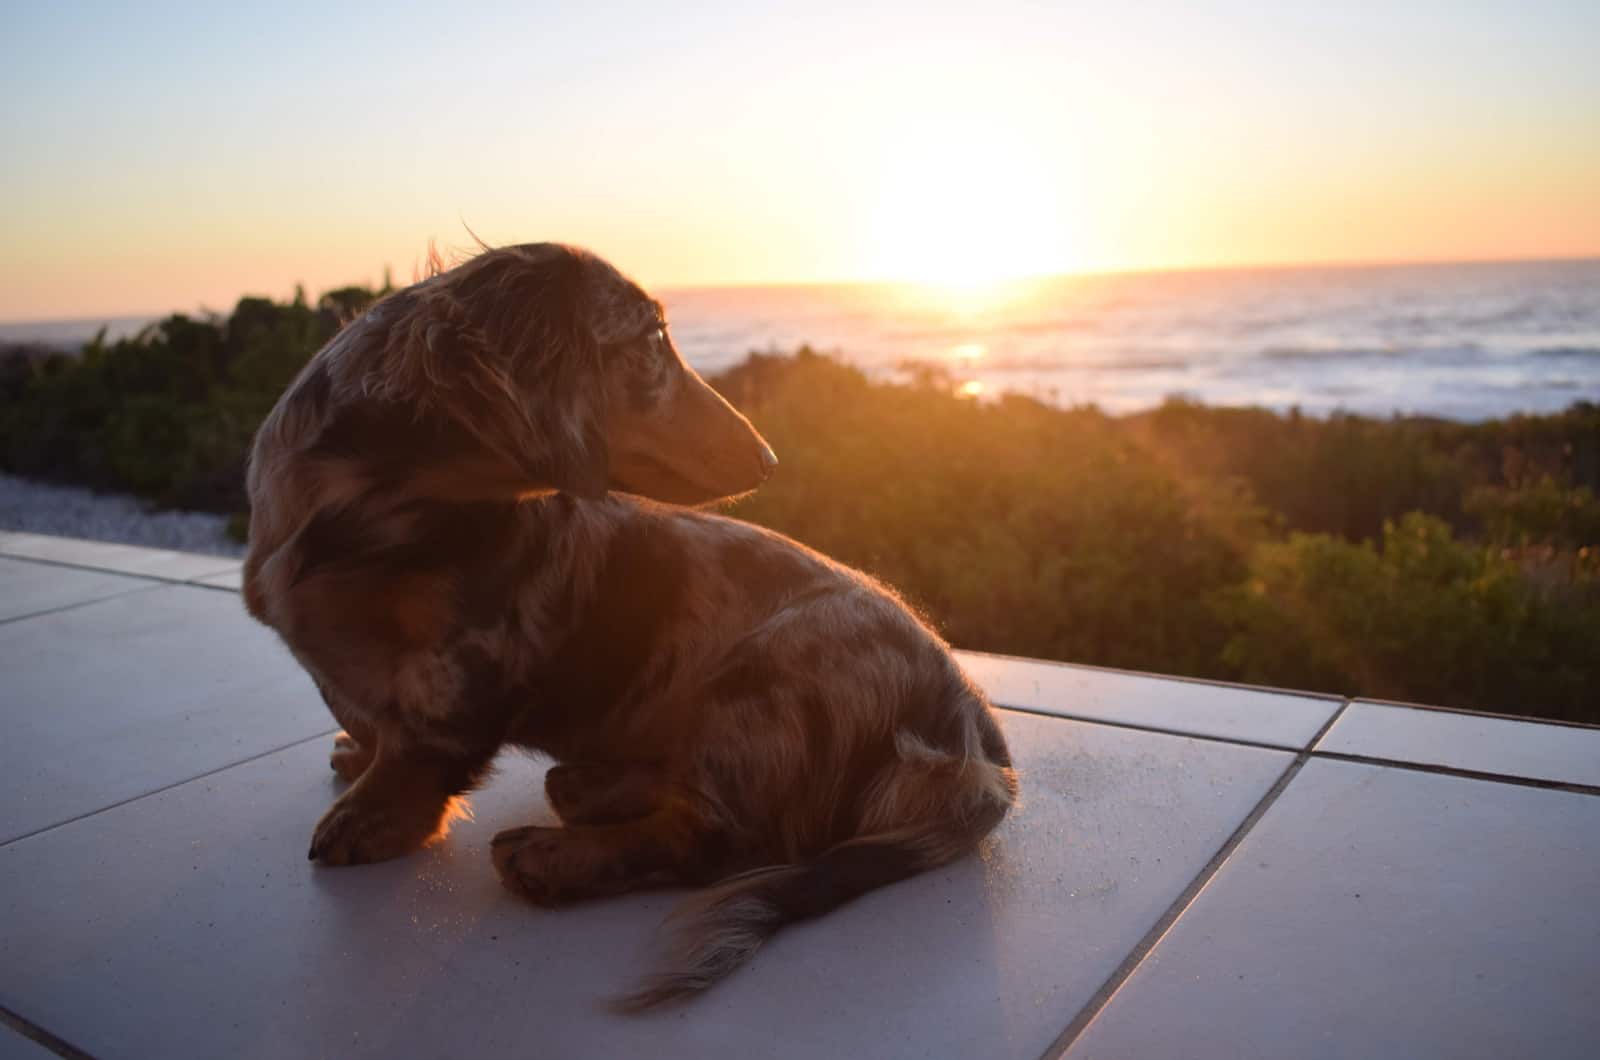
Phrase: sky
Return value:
(162, 157)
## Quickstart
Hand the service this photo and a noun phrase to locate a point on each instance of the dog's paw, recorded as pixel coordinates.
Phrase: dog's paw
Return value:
(349, 758)
(524, 858)
(355, 833)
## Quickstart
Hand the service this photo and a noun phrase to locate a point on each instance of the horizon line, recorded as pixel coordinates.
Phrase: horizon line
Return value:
(1154, 270)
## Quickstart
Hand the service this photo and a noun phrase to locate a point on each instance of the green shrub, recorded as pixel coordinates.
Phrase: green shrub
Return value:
(1420, 617)
(1018, 527)
(1539, 513)
(168, 413)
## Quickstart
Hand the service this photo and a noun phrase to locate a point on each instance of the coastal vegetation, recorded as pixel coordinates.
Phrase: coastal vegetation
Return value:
(1405, 558)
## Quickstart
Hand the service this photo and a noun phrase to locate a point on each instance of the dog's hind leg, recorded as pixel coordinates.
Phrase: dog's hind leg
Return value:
(604, 792)
(677, 842)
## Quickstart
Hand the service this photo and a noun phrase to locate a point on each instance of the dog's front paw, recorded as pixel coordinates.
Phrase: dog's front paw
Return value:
(349, 759)
(355, 833)
(523, 858)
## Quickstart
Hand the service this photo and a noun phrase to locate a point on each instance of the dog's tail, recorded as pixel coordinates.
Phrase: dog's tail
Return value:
(717, 931)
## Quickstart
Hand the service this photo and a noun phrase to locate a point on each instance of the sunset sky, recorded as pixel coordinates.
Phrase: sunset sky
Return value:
(162, 157)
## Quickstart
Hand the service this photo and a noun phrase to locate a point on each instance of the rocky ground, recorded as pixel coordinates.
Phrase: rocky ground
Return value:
(72, 512)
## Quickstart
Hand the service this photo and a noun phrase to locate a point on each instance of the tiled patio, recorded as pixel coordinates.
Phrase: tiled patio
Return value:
(1198, 870)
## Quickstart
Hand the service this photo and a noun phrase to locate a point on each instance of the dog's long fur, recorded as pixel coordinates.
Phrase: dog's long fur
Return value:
(433, 537)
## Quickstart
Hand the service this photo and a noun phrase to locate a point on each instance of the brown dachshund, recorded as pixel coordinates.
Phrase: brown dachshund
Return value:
(434, 538)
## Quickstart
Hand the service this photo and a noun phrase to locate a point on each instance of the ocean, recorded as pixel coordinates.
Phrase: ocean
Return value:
(1464, 341)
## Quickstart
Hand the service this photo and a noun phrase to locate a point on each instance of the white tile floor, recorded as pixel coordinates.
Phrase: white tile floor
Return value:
(35, 588)
(110, 556)
(15, 1046)
(1181, 880)
(1382, 912)
(1198, 708)
(1470, 742)
(111, 700)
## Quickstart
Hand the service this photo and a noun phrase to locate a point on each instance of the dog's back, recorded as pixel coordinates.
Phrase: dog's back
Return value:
(809, 709)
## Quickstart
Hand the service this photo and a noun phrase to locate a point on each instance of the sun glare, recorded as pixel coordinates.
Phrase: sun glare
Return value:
(966, 210)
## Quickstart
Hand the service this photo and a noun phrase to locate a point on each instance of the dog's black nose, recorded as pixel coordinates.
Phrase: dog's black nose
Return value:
(769, 460)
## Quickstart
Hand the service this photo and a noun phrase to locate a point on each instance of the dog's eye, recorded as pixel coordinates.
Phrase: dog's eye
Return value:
(661, 336)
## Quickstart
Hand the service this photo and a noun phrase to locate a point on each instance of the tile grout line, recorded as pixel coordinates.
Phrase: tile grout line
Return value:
(83, 603)
(1497, 715)
(70, 565)
(1236, 741)
(41, 1037)
(210, 586)
(1575, 787)
(1209, 682)
(167, 787)
(1148, 942)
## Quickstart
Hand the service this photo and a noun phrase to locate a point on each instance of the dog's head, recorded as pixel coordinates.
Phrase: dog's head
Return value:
(562, 370)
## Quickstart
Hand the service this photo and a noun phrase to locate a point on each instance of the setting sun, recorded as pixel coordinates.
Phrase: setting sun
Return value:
(961, 207)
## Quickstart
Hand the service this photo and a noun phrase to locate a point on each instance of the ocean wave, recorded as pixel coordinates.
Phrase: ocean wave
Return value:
(1584, 353)
(1329, 353)
(956, 334)
(1157, 364)
(1057, 364)
(1453, 353)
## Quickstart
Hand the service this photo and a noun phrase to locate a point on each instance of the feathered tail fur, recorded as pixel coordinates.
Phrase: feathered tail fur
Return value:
(717, 931)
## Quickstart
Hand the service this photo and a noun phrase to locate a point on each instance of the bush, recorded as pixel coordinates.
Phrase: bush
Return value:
(1347, 475)
(167, 414)
(1016, 526)
(1420, 617)
(1541, 513)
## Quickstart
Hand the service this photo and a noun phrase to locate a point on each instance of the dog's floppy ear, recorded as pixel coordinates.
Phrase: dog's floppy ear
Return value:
(497, 345)
(500, 346)
(528, 305)
(438, 362)
(557, 364)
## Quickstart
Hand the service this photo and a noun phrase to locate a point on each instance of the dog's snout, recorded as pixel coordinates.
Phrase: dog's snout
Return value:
(769, 461)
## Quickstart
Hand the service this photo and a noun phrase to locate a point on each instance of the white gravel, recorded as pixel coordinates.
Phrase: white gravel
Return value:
(39, 508)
